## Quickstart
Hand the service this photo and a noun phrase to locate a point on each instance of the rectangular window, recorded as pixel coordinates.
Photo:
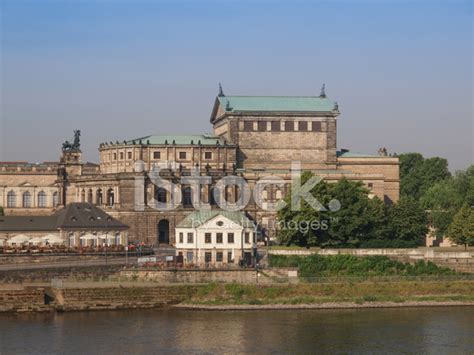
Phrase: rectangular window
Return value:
(208, 155)
(262, 126)
(230, 238)
(156, 155)
(247, 237)
(129, 155)
(121, 156)
(289, 126)
(302, 126)
(248, 126)
(370, 185)
(276, 126)
(190, 237)
(316, 126)
(182, 155)
(207, 238)
(219, 256)
(208, 257)
(181, 237)
(219, 238)
(115, 156)
(230, 260)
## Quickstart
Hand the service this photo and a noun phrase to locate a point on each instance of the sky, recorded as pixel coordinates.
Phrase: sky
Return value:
(401, 71)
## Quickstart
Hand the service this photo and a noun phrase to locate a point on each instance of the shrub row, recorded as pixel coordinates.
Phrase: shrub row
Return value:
(349, 265)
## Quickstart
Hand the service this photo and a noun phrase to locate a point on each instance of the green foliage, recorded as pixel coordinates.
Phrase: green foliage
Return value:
(390, 243)
(446, 197)
(1, 211)
(349, 265)
(359, 218)
(461, 230)
(407, 221)
(418, 174)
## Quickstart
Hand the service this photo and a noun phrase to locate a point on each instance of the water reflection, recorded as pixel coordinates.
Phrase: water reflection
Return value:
(422, 330)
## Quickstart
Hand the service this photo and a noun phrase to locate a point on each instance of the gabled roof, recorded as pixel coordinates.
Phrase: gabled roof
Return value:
(275, 104)
(28, 223)
(198, 218)
(74, 215)
(86, 215)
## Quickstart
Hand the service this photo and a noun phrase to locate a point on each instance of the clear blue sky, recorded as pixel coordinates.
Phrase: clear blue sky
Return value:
(401, 71)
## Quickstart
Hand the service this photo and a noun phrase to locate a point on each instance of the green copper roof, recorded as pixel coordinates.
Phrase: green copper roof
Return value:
(276, 103)
(355, 155)
(197, 218)
(204, 139)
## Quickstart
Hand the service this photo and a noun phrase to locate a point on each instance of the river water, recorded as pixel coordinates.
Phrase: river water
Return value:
(434, 330)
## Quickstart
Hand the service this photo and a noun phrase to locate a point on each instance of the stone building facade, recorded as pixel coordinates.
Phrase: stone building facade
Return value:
(254, 138)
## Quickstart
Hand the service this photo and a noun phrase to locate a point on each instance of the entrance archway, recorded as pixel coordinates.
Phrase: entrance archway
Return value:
(164, 232)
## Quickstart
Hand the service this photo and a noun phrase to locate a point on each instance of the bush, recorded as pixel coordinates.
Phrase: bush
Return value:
(350, 265)
(389, 243)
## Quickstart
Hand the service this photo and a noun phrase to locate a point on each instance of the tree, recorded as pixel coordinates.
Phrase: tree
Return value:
(359, 218)
(464, 183)
(461, 231)
(442, 201)
(407, 221)
(1, 211)
(418, 174)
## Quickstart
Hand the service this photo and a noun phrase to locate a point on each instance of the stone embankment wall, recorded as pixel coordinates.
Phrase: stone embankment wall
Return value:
(456, 260)
(23, 299)
(49, 299)
(206, 276)
(107, 298)
(85, 273)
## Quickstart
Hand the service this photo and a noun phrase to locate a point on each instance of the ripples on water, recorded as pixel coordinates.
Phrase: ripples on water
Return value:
(413, 330)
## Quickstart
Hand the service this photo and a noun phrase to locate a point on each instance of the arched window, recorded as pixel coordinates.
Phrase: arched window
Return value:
(160, 194)
(110, 197)
(55, 199)
(90, 196)
(212, 200)
(98, 197)
(11, 199)
(42, 199)
(187, 197)
(27, 199)
(83, 196)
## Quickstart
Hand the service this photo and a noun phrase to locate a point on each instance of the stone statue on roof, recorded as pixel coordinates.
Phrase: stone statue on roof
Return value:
(75, 145)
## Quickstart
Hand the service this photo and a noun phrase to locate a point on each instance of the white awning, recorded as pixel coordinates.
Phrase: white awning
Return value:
(104, 236)
(35, 241)
(88, 237)
(19, 239)
(52, 239)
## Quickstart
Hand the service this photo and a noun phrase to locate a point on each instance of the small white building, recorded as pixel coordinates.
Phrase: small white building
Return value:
(215, 238)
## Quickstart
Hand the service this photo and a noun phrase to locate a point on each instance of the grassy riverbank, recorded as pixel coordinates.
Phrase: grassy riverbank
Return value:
(343, 292)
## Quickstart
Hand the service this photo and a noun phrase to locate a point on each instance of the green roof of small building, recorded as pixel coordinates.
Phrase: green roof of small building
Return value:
(348, 154)
(203, 139)
(198, 218)
(277, 103)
